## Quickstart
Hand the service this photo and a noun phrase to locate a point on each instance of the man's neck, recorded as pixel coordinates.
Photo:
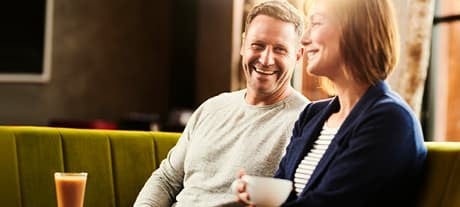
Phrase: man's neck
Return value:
(258, 99)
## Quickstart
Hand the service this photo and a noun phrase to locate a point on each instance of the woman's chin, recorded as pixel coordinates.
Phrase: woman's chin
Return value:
(312, 70)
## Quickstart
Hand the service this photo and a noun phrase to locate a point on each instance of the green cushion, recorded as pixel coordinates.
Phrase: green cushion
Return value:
(9, 175)
(39, 156)
(118, 163)
(129, 151)
(441, 187)
(88, 151)
(164, 141)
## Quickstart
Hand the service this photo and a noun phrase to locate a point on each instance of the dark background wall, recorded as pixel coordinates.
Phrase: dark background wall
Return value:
(214, 48)
(113, 57)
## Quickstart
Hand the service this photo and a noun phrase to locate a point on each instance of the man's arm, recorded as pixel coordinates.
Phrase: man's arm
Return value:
(165, 182)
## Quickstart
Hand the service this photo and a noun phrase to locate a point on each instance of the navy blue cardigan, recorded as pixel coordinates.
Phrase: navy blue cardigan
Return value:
(375, 159)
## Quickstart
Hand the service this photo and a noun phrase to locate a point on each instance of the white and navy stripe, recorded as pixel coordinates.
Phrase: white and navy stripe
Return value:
(311, 160)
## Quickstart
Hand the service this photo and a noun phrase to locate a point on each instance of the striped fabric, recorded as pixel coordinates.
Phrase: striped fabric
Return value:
(311, 160)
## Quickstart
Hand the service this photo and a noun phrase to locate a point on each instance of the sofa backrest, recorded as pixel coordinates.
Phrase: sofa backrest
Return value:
(118, 163)
(441, 186)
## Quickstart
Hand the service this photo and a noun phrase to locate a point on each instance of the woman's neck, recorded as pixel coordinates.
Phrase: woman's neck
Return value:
(348, 95)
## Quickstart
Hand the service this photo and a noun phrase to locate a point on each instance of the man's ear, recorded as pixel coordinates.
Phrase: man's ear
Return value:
(242, 43)
(300, 53)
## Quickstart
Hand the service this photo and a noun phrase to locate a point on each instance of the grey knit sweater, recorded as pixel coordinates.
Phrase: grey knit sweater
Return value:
(224, 135)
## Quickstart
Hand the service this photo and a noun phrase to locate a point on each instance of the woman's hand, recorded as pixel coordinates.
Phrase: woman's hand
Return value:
(242, 195)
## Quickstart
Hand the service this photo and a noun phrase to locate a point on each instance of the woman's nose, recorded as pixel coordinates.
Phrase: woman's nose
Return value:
(306, 37)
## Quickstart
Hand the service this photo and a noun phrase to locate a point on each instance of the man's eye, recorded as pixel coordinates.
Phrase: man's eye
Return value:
(257, 46)
(280, 50)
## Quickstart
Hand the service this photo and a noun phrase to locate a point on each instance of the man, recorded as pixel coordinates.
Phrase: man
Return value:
(246, 129)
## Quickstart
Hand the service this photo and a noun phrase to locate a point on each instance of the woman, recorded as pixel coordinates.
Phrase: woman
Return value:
(364, 147)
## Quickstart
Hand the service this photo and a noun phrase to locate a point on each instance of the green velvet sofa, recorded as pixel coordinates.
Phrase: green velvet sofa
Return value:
(119, 162)
(441, 184)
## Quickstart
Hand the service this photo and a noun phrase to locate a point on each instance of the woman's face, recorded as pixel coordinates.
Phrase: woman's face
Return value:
(321, 41)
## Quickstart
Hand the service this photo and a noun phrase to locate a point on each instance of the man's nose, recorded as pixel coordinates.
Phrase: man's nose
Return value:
(266, 57)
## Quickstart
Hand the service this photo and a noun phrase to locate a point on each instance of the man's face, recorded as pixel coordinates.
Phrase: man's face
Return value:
(270, 51)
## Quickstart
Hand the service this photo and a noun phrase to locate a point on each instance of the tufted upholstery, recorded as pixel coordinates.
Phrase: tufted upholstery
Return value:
(118, 163)
(441, 187)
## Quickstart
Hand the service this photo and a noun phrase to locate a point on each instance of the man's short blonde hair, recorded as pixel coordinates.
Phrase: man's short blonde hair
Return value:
(281, 10)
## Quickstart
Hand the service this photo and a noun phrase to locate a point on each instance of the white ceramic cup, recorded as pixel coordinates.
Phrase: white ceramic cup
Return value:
(265, 191)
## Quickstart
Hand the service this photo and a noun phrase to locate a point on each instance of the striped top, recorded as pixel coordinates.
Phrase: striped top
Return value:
(311, 160)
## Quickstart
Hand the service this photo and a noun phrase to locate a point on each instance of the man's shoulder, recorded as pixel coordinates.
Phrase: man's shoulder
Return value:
(223, 100)
(227, 96)
(299, 98)
(296, 101)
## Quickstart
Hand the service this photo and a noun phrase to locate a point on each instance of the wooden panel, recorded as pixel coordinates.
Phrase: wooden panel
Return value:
(453, 101)
(311, 87)
(448, 122)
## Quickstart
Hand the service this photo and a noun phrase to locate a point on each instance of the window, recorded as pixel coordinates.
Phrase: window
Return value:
(25, 40)
(444, 75)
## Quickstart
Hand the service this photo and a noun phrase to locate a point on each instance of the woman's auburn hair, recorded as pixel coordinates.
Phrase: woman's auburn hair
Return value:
(369, 41)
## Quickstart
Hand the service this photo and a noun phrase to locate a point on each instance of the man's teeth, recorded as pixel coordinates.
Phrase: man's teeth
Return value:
(265, 72)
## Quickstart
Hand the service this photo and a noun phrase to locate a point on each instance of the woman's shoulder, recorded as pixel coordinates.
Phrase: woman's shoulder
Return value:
(391, 101)
(385, 100)
(391, 109)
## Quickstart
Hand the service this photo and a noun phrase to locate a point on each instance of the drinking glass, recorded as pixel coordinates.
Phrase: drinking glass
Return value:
(70, 188)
